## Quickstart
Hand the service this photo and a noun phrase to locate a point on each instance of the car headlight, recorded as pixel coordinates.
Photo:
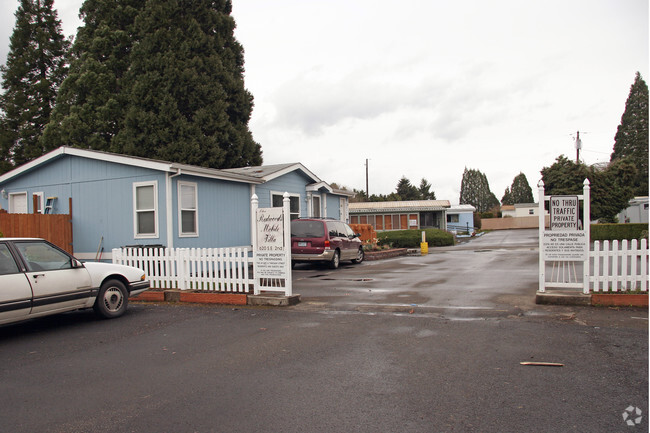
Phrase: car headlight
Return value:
(143, 277)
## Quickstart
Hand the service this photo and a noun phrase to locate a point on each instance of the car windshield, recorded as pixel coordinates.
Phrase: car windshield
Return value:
(307, 229)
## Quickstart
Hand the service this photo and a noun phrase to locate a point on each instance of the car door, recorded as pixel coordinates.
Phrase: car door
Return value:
(15, 291)
(57, 284)
(344, 241)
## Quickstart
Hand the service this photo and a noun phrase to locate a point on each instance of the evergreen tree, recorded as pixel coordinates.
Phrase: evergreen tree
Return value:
(520, 190)
(611, 188)
(161, 80)
(36, 65)
(91, 103)
(406, 191)
(187, 100)
(425, 190)
(631, 140)
(475, 190)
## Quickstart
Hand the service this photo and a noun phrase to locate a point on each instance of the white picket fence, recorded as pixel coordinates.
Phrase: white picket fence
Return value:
(208, 269)
(619, 266)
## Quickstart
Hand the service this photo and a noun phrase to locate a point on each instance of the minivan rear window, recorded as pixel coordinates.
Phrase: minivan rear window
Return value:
(307, 229)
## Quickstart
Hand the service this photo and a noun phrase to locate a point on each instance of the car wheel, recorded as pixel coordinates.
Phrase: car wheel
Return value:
(112, 299)
(334, 263)
(360, 256)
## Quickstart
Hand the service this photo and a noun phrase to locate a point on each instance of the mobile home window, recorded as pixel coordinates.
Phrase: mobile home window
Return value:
(315, 200)
(18, 202)
(146, 209)
(188, 214)
(294, 204)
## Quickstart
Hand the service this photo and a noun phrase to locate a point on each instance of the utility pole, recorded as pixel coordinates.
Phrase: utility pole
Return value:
(578, 146)
(367, 195)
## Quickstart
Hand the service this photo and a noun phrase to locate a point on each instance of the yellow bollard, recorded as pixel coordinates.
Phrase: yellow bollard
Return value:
(424, 246)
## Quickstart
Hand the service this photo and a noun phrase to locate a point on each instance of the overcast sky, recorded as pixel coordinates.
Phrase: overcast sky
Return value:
(424, 89)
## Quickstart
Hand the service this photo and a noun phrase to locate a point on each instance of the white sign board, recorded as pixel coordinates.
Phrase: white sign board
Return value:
(271, 256)
(570, 246)
(564, 211)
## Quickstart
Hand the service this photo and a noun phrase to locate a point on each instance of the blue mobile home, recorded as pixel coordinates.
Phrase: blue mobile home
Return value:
(127, 200)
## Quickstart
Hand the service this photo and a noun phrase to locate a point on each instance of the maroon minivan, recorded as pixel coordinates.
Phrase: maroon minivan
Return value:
(324, 240)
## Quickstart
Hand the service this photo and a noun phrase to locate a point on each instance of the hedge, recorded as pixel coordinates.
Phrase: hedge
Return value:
(413, 238)
(602, 232)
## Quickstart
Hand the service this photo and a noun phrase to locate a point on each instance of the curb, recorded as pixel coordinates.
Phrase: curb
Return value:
(194, 297)
(594, 299)
(387, 254)
(562, 298)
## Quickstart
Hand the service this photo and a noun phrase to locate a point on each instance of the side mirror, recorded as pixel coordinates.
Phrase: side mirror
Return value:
(76, 264)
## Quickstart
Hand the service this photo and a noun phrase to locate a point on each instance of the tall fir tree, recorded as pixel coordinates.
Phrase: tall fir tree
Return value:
(520, 190)
(36, 65)
(90, 106)
(631, 140)
(475, 190)
(161, 80)
(425, 190)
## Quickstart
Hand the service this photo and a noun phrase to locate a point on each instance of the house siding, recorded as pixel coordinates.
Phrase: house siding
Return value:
(223, 214)
(333, 206)
(102, 195)
(90, 183)
(294, 183)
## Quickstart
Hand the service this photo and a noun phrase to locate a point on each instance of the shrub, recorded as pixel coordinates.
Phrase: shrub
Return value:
(413, 238)
(602, 232)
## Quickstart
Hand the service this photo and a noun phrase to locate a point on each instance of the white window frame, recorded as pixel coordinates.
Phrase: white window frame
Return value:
(281, 194)
(314, 199)
(41, 201)
(12, 206)
(182, 234)
(137, 235)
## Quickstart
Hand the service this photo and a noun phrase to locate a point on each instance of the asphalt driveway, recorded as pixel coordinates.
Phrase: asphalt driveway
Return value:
(492, 276)
(414, 344)
(495, 272)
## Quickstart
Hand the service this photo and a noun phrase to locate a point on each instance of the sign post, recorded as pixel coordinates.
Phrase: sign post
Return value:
(271, 247)
(566, 241)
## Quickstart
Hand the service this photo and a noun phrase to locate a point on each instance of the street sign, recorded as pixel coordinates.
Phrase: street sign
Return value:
(564, 211)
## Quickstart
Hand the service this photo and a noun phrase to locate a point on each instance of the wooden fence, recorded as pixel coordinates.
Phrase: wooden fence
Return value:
(54, 228)
(367, 232)
(207, 269)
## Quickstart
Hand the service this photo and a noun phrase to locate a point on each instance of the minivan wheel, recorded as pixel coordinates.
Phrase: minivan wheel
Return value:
(334, 263)
(360, 256)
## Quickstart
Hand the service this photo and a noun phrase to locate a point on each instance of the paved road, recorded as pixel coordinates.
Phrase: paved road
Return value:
(493, 276)
(369, 365)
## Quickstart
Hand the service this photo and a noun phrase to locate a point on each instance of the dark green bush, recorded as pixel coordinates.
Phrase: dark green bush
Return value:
(413, 238)
(602, 232)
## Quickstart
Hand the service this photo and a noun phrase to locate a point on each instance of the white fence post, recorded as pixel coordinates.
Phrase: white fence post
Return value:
(586, 225)
(288, 286)
(542, 227)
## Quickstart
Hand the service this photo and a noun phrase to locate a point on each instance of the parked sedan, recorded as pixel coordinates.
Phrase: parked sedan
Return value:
(38, 279)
